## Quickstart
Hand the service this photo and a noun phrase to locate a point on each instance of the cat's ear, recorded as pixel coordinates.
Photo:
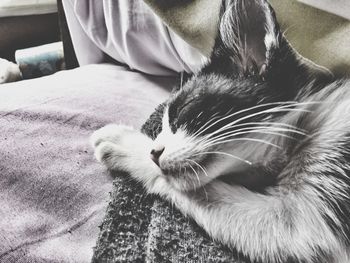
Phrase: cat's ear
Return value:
(251, 40)
(249, 33)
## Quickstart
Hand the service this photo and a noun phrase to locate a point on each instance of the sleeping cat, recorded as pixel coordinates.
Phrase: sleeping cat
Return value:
(255, 147)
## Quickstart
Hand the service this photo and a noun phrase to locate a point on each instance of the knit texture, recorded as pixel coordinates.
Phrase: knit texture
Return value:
(143, 228)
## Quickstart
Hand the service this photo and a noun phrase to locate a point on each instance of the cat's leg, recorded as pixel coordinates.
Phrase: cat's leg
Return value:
(260, 226)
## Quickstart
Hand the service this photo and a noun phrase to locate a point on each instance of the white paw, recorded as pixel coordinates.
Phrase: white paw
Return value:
(9, 71)
(121, 148)
(112, 156)
(110, 133)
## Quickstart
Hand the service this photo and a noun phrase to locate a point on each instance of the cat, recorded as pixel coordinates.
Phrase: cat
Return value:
(255, 147)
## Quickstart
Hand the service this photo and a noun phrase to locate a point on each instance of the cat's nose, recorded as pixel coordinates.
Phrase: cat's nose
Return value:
(156, 153)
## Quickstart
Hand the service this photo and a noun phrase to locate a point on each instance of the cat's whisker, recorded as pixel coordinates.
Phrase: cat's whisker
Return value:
(195, 172)
(286, 104)
(256, 114)
(278, 131)
(262, 130)
(248, 132)
(205, 127)
(242, 139)
(274, 126)
(254, 128)
(205, 192)
(201, 167)
(226, 154)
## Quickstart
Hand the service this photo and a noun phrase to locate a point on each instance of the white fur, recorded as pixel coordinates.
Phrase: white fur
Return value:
(9, 71)
(174, 142)
(270, 37)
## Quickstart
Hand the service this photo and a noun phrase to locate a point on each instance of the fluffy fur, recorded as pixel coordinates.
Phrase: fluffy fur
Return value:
(255, 147)
(9, 71)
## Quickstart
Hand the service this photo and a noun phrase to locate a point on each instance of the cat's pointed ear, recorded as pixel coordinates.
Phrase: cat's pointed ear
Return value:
(249, 34)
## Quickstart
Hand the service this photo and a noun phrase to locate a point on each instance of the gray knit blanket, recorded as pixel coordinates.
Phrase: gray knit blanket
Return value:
(143, 228)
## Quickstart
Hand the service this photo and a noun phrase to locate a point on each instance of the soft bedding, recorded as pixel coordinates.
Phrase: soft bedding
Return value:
(53, 194)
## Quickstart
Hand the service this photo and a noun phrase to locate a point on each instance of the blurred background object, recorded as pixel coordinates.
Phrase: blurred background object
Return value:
(40, 61)
(27, 7)
(9, 71)
(319, 30)
(337, 7)
(27, 23)
(31, 33)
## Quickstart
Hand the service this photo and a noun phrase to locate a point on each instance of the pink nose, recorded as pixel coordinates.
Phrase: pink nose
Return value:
(156, 153)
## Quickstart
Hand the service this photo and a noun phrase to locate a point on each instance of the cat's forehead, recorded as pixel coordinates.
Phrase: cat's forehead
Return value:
(204, 98)
(212, 92)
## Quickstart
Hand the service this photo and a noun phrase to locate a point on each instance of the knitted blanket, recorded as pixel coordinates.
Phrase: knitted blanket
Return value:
(142, 228)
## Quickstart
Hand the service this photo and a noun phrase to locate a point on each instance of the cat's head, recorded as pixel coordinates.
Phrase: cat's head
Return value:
(221, 120)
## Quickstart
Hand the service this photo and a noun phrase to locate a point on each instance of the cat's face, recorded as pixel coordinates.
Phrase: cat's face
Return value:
(208, 129)
(224, 119)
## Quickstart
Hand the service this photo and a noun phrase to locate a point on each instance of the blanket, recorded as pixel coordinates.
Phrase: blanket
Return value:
(53, 193)
(143, 228)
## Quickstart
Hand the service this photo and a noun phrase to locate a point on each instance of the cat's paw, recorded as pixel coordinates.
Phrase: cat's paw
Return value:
(110, 133)
(122, 148)
(9, 71)
(112, 156)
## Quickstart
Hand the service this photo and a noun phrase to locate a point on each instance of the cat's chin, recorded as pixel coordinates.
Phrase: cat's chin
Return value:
(183, 184)
(184, 179)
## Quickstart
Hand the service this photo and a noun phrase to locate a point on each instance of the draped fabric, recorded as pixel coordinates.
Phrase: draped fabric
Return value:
(130, 33)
